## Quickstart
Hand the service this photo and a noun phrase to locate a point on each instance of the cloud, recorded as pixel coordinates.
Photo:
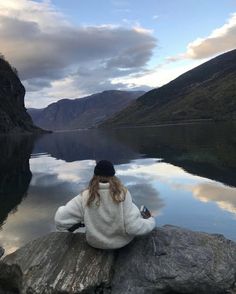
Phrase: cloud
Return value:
(219, 41)
(46, 48)
(159, 75)
(225, 197)
(156, 17)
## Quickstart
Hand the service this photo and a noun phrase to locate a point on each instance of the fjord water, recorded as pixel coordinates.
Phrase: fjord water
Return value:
(185, 174)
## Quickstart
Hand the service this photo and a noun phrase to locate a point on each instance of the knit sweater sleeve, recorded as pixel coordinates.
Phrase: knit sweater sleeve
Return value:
(70, 214)
(134, 223)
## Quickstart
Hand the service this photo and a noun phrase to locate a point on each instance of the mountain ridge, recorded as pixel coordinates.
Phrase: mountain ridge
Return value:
(205, 92)
(86, 112)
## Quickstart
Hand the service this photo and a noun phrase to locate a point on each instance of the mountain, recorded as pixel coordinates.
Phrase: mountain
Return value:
(13, 115)
(82, 112)
(205, 92)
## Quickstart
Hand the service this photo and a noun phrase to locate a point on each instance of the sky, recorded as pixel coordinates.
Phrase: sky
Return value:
(74, 48)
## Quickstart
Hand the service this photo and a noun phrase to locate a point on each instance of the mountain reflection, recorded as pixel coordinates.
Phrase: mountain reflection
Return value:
(207, 150)
(15, 174)
(177, 172)
(83, 145)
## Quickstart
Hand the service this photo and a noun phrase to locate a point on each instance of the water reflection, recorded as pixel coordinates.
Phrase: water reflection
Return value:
(15, 173)
(207, 150)
(49, 188)
(175, 171)
(224, 197)
(83, 145)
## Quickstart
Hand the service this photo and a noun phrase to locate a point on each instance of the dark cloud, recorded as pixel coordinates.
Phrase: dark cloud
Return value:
(56, 59)
(52, 54)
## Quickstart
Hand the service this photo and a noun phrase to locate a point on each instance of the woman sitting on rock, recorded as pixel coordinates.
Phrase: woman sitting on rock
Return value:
(111, 219)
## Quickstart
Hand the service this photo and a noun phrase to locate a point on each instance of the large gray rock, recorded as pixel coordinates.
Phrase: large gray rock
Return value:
(63, 263)
(173, 259)
(169, 260)
(10, 278)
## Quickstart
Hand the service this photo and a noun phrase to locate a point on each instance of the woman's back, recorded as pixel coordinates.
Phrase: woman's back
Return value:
(111, 219)
(104, 221)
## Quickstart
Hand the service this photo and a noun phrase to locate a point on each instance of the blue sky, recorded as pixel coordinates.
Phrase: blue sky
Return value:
(70, 49)
(174, 22)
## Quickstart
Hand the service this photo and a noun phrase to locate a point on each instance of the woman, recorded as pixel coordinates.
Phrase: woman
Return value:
(111, 219)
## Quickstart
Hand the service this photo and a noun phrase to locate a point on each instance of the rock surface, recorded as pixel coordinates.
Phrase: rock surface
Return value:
(174, 260)
(13, 115)
(10, 278)
(169, 260)
(63, 263)
(1, 251)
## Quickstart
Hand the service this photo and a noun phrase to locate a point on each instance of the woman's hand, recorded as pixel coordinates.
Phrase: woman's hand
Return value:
(145, 212)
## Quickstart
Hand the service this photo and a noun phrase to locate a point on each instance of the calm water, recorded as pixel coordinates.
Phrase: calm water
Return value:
(184, 174)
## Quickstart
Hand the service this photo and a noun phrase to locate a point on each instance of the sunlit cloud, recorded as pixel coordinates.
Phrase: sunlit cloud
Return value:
(218, 41)
(158, 76)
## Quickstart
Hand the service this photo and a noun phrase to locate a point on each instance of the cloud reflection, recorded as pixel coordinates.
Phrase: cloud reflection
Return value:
(145, 194)
(150, 181)
(223, 196)
(54, 182)
(175, 177)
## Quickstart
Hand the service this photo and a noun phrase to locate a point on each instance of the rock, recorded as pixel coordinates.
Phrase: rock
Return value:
(169, 260)
(173, 259)
(1, 251)
(13, 115)
(63, 262)
(10, 278)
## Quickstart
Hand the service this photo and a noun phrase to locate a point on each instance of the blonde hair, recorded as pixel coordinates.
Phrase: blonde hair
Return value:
(117, 190)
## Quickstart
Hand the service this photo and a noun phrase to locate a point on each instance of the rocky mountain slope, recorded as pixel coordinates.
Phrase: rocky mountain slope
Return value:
(83, 112)
(13, 115)
(205, 92)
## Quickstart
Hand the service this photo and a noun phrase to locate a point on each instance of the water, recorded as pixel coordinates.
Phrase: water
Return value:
(184, 174)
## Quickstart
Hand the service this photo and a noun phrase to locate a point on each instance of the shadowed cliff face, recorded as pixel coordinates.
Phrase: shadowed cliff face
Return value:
(15, 174)
(13, 115)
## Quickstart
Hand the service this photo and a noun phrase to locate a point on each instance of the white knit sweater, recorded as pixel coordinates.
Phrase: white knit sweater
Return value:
(108, 226)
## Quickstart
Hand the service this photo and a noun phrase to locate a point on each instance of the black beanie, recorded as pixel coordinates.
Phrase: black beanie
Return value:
(104, 168)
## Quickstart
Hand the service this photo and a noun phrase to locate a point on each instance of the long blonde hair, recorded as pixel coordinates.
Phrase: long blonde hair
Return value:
(117, 190)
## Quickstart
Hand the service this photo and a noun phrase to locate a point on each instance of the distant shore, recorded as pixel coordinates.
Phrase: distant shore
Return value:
(167, 123)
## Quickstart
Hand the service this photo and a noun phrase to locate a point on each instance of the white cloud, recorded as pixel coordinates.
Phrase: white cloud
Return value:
(158, 76)
(219, 41)
(50, 52)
